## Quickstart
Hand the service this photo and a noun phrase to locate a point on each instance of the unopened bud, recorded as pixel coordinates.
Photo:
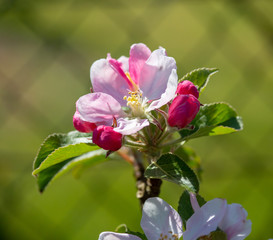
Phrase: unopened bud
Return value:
(106, 138)
(187, 87)
(183, 110)
(82, 126)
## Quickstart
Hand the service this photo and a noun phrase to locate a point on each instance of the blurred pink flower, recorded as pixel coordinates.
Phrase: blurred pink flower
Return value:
(159, 221)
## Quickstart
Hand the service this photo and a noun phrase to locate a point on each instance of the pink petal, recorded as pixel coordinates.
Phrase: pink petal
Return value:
(155, 74)
(82, 126)
(234, 223)
(139, 53)
(106, 138)
(169, 93)
(107, 79)
(206, 219)
(130, 126)
(99, 108)
(117, 236)
(124, 63)
(160, 219)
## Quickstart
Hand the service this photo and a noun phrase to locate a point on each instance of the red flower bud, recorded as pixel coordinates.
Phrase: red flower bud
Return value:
(106, 138)
(183, 110)
(187, 87)
(82, 126)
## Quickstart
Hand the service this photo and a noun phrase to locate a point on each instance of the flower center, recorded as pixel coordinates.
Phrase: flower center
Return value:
(168, 236)
(134, 100)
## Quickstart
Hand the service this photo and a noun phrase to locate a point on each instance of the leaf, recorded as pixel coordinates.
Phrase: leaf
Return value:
(171, 168)
(184, 206)
(56, 140)
(61, 152)
(190, 157)
(213, 119)
(200, 77)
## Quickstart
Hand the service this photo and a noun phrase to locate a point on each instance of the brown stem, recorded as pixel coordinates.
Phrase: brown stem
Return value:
(146, 187)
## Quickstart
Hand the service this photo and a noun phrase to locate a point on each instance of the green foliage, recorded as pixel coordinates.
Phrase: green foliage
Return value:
(61, 152)
(172, 168)
(190, 157)
(213, 119)
(184, 206)
(200, 77)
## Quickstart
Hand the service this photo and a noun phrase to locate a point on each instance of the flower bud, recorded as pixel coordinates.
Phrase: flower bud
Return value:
(183, 110)
(106, 138)
(82, 126)
(187, 87)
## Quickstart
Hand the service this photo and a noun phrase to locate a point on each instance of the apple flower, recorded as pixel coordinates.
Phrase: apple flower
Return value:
(187, 87)
(230, 218)
(159, 221)
(126, 90)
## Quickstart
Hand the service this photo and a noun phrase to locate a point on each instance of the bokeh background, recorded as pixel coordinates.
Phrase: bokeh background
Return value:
(46, 50)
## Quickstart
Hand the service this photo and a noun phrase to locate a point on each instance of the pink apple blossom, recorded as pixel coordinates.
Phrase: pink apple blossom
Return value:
(183, 110)
(187, 87)
(126, 90)
(230, 218)
(159, 221)
(106, 138)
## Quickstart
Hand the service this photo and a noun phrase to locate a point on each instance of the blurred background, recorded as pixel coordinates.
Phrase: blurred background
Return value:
(46, 50)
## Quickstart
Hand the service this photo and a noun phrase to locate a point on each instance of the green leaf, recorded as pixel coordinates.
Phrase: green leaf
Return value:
(60, 147)
(200, 77)
(171, 168)
(190, 157)
(61, 152)
(56, 140)
(184, 206)
(213, 119)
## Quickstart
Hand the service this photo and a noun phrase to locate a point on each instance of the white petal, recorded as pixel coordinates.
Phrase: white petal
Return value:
(117, 236)
(106, 79)
(130, 126)
(155, 74)
(169, 93)
(206, 219)
(158, 217)
(234, 223)
(98, 108)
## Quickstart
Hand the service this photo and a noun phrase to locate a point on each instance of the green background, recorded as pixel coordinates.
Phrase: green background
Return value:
(46, 50)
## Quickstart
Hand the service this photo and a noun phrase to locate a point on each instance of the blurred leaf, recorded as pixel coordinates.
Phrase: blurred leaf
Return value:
(200, 77)
(213, 119)
(190, 157)
(184, 206)
(61, 152)
(171, 168)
